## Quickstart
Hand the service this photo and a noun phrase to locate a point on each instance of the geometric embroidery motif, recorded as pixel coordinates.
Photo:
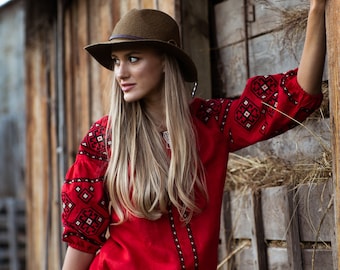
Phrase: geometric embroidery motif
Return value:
(89, 221)
(96, 140)
(273, 103)
(68, 205)
(263, 86)
(85, 194)
(247, 114)
(209, 109)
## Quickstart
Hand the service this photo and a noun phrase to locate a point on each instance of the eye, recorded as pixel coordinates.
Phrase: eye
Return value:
(133, 59)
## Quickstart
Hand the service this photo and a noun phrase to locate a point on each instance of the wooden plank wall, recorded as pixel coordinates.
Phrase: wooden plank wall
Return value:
(256, 42)
(333, 39)
(66, 91)
(41, 138)
(12, 96)
(252, 39)
(272, 48)
(296, 228)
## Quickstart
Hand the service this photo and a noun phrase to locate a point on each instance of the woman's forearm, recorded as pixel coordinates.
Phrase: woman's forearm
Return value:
(313, 55)
(75, 259)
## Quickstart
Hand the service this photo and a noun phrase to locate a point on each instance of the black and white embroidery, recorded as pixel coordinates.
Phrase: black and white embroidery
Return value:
(177, 243)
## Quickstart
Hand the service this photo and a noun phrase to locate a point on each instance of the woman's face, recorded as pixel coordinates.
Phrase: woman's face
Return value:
(139, 72)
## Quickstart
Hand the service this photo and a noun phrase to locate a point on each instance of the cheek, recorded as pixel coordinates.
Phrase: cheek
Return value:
(157, 72)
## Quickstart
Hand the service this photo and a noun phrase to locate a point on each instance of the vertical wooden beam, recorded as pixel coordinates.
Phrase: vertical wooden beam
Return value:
(293, 235)
(258, 241)
(333, 51)
(196, 40)
(227, 221)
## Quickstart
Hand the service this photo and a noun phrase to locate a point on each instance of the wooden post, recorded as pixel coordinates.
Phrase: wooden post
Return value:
(333, 52)
(258, 242)
(293, 234)
(195, 36)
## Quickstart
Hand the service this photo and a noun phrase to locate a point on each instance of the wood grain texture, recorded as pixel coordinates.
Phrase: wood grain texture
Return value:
(333, 52)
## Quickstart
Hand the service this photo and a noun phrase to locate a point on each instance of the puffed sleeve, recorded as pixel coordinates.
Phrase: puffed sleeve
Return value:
(268, 106)
(85, 213)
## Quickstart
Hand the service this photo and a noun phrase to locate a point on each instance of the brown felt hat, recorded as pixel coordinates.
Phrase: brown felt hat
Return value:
(145, 27)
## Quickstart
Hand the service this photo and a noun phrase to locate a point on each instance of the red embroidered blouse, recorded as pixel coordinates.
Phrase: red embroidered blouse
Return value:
(223, 125)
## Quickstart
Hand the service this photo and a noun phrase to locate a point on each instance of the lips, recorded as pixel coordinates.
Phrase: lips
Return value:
(127, 86)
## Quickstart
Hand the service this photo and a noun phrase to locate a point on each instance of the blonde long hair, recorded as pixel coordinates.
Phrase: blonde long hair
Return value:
(141, 178)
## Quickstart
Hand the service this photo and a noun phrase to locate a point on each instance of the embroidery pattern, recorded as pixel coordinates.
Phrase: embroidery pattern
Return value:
(89, 221)
(96, 141)
(263, 86)
(284, 87)
(225, 115)
(211, 109)
(247, 114)
(177, 243)
(70, 234)
(192, 243)
(68, 205)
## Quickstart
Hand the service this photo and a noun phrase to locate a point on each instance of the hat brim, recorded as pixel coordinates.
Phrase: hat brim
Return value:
(102, 53)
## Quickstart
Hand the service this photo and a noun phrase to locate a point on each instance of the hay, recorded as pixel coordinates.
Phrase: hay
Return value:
(293, 23)
(245, 172)
(255, 173)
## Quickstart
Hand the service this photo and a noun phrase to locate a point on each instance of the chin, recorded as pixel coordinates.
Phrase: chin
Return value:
(130, 99)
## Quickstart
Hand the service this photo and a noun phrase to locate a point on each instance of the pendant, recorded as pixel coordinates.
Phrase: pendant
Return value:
(166, 137)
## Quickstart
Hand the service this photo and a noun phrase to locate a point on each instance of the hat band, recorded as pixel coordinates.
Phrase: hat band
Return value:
(130, 37)
(124, 37)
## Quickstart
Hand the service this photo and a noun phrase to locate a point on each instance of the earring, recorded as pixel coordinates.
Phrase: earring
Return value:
(194, 89)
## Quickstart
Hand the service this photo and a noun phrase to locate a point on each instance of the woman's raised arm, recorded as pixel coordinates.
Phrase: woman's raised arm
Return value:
(313, 56)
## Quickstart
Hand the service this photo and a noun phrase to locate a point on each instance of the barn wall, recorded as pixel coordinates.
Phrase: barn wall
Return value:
(258, 41)
(12, 96)
(41, 171)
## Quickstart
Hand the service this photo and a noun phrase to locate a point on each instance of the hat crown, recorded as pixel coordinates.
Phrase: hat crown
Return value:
(147, 24)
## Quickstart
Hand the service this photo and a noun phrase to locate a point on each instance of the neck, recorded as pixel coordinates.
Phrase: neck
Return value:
(156, 112)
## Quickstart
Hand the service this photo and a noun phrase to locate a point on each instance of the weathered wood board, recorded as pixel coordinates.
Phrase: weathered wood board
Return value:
(264, 47)
(333, 57)
(262, 17)
(277, 259)
(12, 97)
(310, 204)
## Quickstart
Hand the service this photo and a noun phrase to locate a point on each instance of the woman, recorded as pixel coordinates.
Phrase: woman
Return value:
(146, 188)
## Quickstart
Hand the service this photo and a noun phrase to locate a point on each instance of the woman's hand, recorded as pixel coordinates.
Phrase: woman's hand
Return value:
(313, 56)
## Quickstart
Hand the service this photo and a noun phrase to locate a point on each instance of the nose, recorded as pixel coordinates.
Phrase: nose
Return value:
(121, 71)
